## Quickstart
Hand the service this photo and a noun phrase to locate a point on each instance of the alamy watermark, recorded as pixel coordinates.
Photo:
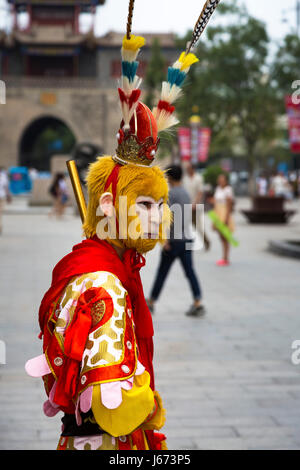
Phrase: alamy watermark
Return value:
(187, 224)
(2, 92)
(295, 357)
(2, 352)
(296, 94)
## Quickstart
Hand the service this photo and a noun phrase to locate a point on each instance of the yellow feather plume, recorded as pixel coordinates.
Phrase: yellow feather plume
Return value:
(134, 43)
(186, 60)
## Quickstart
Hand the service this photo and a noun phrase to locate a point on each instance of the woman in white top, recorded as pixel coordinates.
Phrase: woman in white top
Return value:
(223, 206)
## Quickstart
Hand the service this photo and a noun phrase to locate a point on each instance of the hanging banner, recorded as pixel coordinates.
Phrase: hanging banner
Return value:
(293, 112)
(194, 143)
(184, 140)
(204, 136)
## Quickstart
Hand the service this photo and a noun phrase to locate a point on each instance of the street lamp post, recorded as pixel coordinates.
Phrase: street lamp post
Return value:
(195, 122)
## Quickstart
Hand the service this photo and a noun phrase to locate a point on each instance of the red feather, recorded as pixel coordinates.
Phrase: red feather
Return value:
(122, 95)
(166, 106)
(134, 97)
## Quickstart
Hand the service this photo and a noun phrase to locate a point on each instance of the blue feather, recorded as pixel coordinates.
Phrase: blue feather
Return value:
(175, 76)
(129, 69)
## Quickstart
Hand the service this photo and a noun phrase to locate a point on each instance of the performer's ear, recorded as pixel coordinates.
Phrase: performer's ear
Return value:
(106, 204)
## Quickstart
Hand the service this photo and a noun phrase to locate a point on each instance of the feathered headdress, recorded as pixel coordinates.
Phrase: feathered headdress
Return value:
(138, 134)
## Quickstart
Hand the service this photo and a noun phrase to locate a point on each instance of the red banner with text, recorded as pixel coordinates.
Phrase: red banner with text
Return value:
(293, 113)
(194, 143)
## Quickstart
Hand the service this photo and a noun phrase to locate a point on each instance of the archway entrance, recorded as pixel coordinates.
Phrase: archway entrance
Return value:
(44, 137)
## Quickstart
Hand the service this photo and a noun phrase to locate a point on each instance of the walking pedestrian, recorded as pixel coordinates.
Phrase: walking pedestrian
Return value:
(176, 248)
(59, 192)
(280, 184)
(262, 185)
(4, 194)
(193, 183)
(223, 206)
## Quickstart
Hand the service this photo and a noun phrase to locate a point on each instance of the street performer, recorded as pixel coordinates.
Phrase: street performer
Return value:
(96, 327)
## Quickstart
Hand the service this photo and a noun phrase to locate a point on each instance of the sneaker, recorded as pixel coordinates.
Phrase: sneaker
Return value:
(222, 262)
(196, 311)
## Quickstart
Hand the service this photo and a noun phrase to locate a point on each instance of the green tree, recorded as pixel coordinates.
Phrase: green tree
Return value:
(286, 66)
(212, 173)
(155, 73)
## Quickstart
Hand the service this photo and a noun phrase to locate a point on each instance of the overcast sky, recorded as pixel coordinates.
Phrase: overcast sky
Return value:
(180, 15)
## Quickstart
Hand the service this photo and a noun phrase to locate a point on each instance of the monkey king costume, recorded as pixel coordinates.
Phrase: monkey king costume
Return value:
(96, 327)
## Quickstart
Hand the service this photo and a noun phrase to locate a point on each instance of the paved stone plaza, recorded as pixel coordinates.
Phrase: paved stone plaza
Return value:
(227, 379)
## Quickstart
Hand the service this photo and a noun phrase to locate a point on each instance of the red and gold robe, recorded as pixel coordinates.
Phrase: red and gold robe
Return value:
(98, 350)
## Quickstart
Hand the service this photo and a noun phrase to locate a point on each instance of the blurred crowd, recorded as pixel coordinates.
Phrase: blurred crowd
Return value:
(279, 184)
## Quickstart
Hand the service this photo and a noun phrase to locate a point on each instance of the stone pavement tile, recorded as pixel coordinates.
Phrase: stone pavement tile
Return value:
(279, 403)
(231, 421)
(280, 431)
(241, 408)
(293, 380)
(290, 419)
(293, 394)
(181, 443)
(29, 445)
(235, 394)
(205, 432)
(222, 443)
(176, 411)
(297, 442)
(183, 407)
(244, 444)
(272, 388)
(271, 443)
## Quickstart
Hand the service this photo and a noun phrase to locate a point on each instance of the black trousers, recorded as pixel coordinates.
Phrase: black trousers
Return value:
(178, 250)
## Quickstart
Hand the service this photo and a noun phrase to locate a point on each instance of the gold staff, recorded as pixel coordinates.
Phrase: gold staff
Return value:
(81, 204)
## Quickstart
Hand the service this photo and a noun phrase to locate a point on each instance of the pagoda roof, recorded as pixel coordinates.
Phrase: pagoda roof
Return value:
(50, 35)
(114, 39)
(62, 35)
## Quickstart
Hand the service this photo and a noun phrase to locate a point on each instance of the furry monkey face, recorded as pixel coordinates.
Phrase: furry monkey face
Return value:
(140, 207)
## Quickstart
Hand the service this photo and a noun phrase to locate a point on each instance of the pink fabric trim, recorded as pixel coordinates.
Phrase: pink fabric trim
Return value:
(37, 367)
(77, 414)
(111, 395)
(127, 384)
(94, 441)
(140, 369)
(111, 392)
(51, 395)
(86, 400)
(49, 409)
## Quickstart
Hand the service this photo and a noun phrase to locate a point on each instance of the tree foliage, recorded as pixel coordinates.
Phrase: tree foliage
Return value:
(156, 73)
(286, 66)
